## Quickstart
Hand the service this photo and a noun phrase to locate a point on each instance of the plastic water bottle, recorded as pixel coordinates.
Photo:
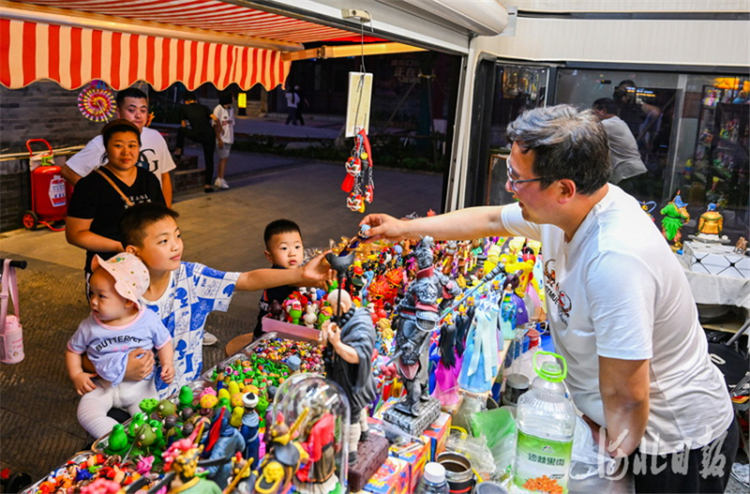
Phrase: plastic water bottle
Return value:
(546, 422)
(433, 481)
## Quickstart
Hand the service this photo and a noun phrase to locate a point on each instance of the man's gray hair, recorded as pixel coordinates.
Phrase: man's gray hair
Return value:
(568, 143)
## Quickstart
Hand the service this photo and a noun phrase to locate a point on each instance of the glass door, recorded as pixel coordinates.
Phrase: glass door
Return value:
(518, 87)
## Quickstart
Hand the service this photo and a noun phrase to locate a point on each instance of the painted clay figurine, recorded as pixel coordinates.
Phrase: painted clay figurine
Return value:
(711, 222)
(417, 317)
(223, 442)
(349, 343)
(318, 474)
(675, 217)
(250, 425)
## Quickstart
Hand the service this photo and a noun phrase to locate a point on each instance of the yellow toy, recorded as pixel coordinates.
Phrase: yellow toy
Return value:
(493, 257)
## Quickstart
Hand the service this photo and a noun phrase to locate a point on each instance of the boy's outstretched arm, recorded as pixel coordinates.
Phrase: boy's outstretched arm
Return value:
(311, 274)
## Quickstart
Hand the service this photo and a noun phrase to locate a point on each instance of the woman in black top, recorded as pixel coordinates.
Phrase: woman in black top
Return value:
(96, 205)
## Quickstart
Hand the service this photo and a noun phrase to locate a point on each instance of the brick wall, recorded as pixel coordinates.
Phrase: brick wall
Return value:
(15, 194)
(42, 110)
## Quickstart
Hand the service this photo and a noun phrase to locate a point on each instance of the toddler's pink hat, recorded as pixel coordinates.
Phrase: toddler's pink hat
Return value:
(130, 274)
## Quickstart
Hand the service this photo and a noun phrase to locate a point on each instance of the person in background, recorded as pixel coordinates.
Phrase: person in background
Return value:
(619, 305)
(292, 102)
(627, 167)
(629, 106)
(303, 103)
(224, 113)
(132, 105)
(204, 130)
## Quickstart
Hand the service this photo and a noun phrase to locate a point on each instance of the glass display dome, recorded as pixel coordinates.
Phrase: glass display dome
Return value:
(316, 411)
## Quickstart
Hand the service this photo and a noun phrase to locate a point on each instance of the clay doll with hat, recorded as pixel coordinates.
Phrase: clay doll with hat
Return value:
(118, 324)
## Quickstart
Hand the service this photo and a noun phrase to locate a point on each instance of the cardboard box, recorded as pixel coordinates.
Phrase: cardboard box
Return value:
(391, 478)
(416, 454)
(715, 259)
(438, 434)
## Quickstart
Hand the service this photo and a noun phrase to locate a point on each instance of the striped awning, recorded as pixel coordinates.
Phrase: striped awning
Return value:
(213, 15)
(72, 54)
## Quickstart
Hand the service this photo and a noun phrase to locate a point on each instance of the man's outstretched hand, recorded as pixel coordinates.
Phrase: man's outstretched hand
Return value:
(385, 227)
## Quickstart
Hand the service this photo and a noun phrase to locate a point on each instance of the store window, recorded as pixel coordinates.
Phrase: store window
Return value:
(691, 130)
(714, 169)
(646, 102)
(517, 88)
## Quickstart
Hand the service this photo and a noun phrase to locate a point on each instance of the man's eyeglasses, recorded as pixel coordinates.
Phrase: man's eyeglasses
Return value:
(514, 182)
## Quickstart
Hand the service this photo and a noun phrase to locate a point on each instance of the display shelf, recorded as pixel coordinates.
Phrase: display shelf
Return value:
(720, 165)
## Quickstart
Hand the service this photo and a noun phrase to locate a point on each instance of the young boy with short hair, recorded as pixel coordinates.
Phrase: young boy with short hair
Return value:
(154, 156)
(184, 293)
(284, 250)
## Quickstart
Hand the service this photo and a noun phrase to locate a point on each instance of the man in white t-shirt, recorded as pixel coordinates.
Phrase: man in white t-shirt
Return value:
(292, 100)
(618, 303)
(224, 113)
(132, 105)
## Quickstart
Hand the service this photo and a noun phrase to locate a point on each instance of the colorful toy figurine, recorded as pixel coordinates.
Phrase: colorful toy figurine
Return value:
(349, 343)
(223, 442)
(249, 427)
(417, 317)
(675, 217)
(282, 459)
(711, 222)
(480, 363)
(318, 473)
(446, 372)
(181, 465)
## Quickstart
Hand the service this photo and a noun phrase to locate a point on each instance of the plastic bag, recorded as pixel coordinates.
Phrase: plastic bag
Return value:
(474, 448)
(586, 456)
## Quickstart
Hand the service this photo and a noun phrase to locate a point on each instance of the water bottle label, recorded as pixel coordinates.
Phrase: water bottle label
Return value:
(542, 465)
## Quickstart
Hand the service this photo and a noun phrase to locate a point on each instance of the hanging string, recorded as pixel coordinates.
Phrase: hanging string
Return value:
(362, 45)
(362, 71)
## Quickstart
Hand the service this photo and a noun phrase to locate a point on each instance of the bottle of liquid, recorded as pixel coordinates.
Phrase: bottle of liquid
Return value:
(546, 422)
(433, 481)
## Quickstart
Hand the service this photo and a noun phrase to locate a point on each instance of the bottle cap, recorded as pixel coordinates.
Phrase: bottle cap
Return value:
(550, 371)
(434, 473)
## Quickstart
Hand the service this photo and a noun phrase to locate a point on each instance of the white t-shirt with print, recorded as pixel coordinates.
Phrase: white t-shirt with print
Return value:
(226, 118)
(154, 156)
(617, 291)
(194, 292)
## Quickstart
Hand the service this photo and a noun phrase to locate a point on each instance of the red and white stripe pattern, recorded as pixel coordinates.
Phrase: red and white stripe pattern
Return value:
(73, 56)
(213, 15)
